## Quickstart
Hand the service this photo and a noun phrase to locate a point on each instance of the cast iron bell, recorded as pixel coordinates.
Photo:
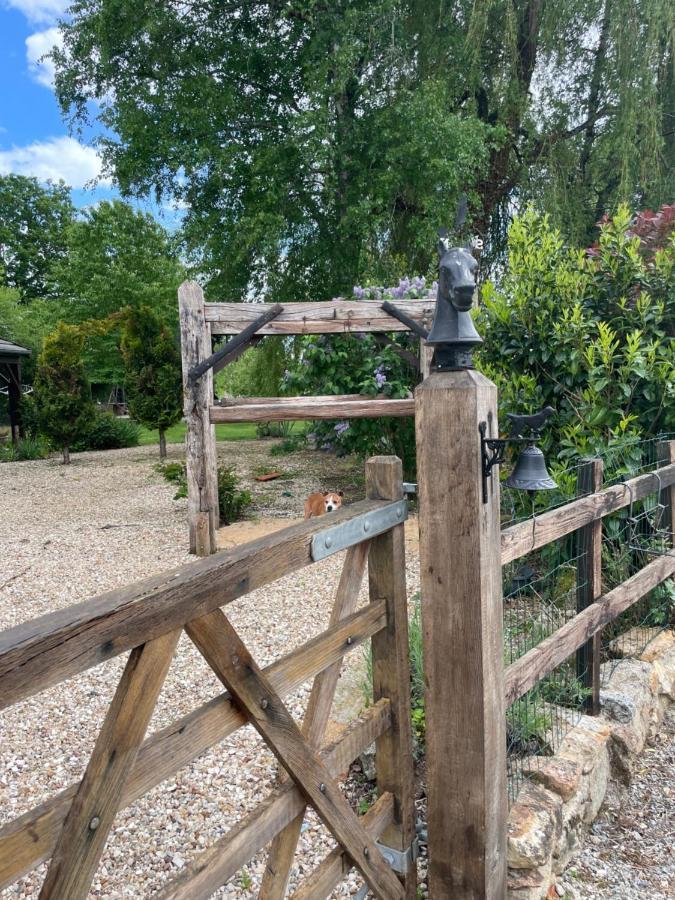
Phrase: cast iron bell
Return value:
(530, 472)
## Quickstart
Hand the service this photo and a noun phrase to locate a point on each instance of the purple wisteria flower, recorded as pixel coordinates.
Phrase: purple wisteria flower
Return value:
(307, 362)
(359, 292)
(341, 427)
(380, 377)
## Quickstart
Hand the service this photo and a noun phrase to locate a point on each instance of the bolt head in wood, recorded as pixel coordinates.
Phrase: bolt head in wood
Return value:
(322, 788)
(94, 823)
(264, 703)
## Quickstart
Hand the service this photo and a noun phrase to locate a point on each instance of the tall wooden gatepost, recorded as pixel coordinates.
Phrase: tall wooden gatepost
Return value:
(460, 574)
(200, 438)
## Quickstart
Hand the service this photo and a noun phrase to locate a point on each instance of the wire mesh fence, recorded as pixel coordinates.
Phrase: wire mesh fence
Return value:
(541, 593)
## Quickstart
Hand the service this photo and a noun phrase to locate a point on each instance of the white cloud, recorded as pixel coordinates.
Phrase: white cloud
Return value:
(59, 158)
(37, 45)
(43, 12)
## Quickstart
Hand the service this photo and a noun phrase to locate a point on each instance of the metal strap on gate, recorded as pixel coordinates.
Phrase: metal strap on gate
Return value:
(361, 528)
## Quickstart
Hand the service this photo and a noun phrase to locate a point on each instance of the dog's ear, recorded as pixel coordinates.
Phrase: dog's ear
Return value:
(340, 493)
(325, 493)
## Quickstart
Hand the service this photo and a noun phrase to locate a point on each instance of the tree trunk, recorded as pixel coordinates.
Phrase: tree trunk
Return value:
(66, 456)
(162, 444)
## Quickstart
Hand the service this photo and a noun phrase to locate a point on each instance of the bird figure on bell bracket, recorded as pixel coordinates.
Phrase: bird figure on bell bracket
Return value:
(453, 334)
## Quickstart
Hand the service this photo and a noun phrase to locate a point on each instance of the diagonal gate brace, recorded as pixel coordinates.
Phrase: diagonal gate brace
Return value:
(230, 659)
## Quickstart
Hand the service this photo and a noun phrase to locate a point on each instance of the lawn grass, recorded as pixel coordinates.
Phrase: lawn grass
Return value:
(233, 431)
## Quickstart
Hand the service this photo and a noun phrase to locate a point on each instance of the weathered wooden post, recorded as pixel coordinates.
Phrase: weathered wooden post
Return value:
(666, 455)
(200, 437)
(589, 583)
(460, 572)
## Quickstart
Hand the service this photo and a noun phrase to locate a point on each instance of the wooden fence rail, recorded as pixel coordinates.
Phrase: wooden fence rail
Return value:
(595, 611)
(148, 619)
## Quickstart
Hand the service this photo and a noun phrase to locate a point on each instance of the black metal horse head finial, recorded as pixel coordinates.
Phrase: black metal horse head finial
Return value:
(453, 333)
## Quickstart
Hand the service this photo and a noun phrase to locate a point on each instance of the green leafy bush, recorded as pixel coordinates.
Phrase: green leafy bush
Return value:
(108, 432)
(28, 448)
(589, 332)
(61, 391)
(232, 500)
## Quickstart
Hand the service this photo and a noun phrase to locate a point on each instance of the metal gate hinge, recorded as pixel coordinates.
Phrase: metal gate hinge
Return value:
(400, 860)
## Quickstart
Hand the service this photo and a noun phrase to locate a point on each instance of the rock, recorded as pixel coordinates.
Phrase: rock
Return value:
(534, 826)
(664, 668)
(658, 645)
(528, 884)
(367, 762)
(633, 642)
(556, 773)
(630, 696)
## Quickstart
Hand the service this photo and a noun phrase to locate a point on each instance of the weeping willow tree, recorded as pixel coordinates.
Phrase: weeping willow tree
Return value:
(316, 144)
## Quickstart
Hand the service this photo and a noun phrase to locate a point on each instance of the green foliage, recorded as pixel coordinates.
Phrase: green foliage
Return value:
(589, 334)
(117, 258)
(108, 432)
(152, 370)
(233, 501)
(28, 448)
(273, 429)
(346, 365)
(334, 138)
(61, 391)
(34, 221)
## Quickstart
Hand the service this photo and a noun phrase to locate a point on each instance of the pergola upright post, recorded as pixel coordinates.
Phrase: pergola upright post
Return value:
(200, 438)
(460, 572)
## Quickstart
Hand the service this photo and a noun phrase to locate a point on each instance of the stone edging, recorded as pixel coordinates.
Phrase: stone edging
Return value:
(564, 793)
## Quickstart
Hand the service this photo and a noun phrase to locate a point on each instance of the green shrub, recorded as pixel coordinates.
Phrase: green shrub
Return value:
(28, 448)
(273, 429)
(232, 500)
(108, 432)
(61, 391)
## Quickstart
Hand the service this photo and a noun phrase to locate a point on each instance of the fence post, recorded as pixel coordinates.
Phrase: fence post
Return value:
(200, 437)
(391, 665)
(460, 575)
(666, 455)
(589, 582)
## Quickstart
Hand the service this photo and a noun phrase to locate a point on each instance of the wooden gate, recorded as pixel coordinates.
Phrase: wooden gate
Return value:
(148, 618)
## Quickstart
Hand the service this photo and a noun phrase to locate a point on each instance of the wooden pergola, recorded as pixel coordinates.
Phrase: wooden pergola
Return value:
(11, 357)
(247, 324)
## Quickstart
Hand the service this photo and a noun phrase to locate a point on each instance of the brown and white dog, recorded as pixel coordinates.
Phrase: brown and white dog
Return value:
(319, 503)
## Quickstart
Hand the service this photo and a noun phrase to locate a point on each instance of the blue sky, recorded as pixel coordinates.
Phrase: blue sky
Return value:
(33, 138)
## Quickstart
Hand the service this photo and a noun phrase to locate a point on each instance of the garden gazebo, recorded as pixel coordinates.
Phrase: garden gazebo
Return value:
(11, 356)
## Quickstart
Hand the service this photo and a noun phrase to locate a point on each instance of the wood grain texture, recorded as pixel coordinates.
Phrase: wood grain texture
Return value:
(391, 663)
(281, 410)
(589, 582)
(517, 540)
(231, 661)
(523, 674)
(200, 437)
(335, 316)
(336, 865)
(282, 851)
(222, 860)
(46, 650)
(460, 578)
(91, 814)
(30, 839)
(666, 456)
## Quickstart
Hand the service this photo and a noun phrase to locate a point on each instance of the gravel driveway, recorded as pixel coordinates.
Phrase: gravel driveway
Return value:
(69, 533)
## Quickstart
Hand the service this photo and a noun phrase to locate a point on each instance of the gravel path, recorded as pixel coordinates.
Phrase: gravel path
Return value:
(629, 854)
(68, 533)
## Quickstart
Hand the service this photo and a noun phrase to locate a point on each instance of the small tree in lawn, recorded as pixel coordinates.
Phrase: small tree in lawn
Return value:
(62, 392)
(152, 371)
